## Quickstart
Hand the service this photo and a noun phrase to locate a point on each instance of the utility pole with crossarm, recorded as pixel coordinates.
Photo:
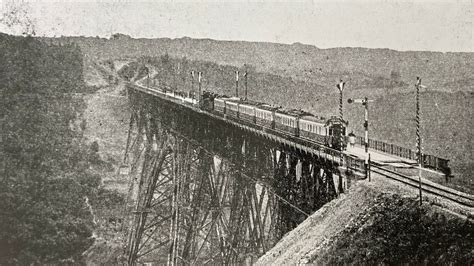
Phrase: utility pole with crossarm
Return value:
(199, 84)
(365, 102)
(245, 75)
(236, 83)
(192, 83)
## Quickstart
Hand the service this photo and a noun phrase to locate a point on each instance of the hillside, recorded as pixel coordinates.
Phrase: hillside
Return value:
(361, 67)
(304, 76)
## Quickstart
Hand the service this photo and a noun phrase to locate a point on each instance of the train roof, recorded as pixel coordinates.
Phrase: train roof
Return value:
(290, 112)
(250, 102)
(312, 118)
(268, 107)
(294, 112)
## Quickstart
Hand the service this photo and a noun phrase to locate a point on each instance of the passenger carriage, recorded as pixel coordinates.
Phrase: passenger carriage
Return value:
(313, 128)
(232, 107)
(247, 112)
(219, 105)
(286, 122)
(265, 116)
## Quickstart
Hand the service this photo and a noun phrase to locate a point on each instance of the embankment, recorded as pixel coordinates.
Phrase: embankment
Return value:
(376, 222)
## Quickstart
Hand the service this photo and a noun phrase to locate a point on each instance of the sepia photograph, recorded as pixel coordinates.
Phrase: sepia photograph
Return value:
(245, 132)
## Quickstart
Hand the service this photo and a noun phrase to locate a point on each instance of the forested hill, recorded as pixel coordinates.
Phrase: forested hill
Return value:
(361, 67)
(45, 178)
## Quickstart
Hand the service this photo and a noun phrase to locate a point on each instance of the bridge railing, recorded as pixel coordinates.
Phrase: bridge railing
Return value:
(354, 163)
(428, 161)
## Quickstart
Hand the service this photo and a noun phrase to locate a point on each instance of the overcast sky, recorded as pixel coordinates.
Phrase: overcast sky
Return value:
(401, 25)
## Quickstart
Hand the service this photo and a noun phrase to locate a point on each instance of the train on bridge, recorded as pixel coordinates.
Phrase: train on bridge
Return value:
(330, 132)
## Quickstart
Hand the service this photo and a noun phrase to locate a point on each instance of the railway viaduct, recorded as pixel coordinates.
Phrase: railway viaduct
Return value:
(210, 190)
(206, 189)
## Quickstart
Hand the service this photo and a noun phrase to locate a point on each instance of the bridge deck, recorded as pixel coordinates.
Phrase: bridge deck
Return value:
(358, 151)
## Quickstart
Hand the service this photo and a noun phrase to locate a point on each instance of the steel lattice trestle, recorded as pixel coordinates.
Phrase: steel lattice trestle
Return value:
(205, 191)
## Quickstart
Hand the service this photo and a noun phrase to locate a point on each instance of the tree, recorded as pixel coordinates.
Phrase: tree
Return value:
(46, 223)
(43, 214)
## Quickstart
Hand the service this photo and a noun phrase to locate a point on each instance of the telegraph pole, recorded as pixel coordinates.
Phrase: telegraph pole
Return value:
(418, 137)
(192, 83)
(199, 81)
(366, 129)
(176, 71)
(236, 83)
(148, 78)
(245, 75)
(340, 86)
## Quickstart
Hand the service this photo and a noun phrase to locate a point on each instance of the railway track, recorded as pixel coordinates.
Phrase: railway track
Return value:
(458, 197)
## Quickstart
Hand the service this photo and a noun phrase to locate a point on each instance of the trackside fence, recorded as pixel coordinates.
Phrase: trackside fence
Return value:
(429, 161)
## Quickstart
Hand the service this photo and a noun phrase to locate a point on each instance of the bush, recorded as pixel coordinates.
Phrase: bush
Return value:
(44, 218)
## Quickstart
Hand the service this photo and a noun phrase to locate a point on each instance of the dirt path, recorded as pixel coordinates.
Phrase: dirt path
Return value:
(107, 117)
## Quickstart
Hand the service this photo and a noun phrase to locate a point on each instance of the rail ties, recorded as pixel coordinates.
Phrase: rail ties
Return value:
(437, 190)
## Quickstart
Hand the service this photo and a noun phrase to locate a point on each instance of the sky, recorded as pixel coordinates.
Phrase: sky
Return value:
(442, 25)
